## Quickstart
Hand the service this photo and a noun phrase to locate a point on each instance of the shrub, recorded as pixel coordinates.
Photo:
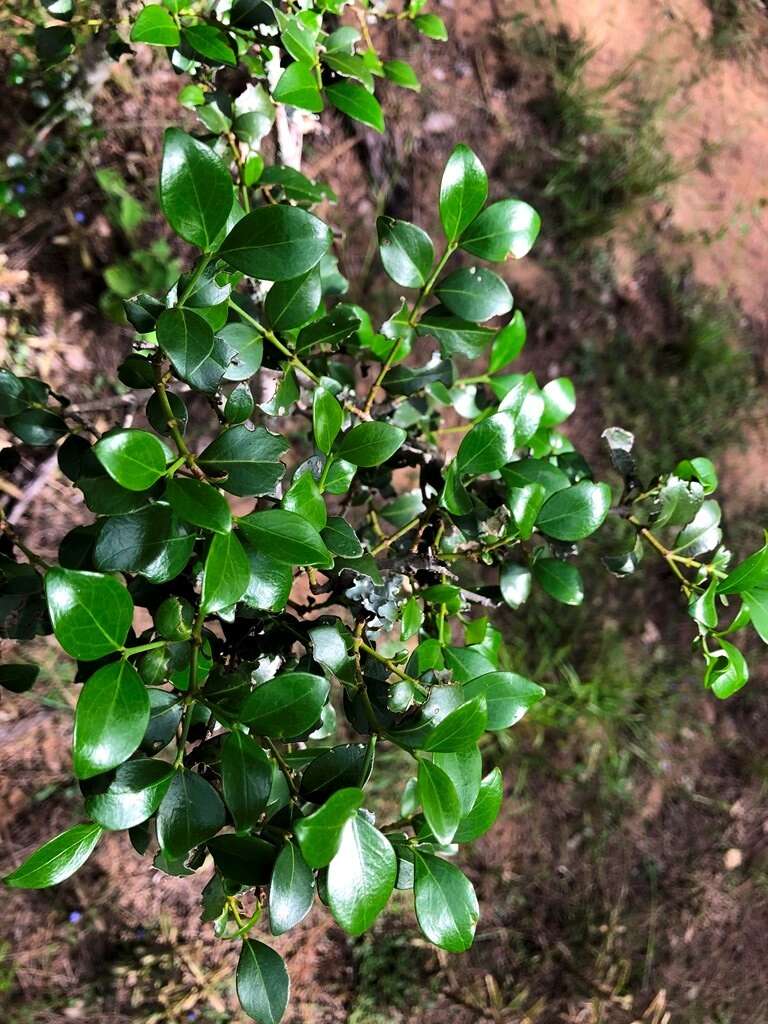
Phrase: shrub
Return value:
(293, 633)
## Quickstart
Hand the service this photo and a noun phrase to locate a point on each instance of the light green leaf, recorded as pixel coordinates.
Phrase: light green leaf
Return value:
(57, 859)
(111, 718)
(91, 613)
(133, 458)
(446, 905)
(361, 876)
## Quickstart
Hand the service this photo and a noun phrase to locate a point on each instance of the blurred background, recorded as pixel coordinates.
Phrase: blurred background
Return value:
(627, 877)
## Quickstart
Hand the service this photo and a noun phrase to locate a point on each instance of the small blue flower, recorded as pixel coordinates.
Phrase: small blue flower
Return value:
(191, 1015)
(21, 188)
(75, 917)
(79, 216)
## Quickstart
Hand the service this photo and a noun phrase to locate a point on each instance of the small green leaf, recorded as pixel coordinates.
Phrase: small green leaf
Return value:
(270, 582)
(504, 229)
(508, 697)
(476, 294)
(488, 446)
(727, 670)
(406, 252)
(747, 575)
(57, 859)
(133, 458)
(412, 619)
(291, 890)
(305, 499)
(290, 304)
(91, 613)
(199, 503)
(431, 26)
(485, 809)
(155, 26)
(340, 538)
(196, 192)
(246, 775)
(559, 579)
(263, 985)
(402, 74)
(150, 541)
(371, 443)
(361, 876)
(191, 812)
(463, 191)
(111, 718)
(559, 401)
(446, 905)
(576, 512)
(226, 573)
(132, 796)
(508, 343)
(439, 800)
(297, 87)
(461, 728)
(198, 355)
(211, 42)
(356, 102)
(327, 418)
(465, 769)
(286, 706)
(346, 765)
(276, 243)
(285, 536)
(319, 834)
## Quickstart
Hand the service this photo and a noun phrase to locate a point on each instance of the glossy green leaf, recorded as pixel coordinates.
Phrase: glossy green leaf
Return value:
(485, 809)
(504, 229)
(155, 26)
(292, 303)
(756, 602)
(305, 499)
(560, 580)
(246, 776)
(270, 581)
(132, 796)
(465, 769)
(57, 859)
(286, 706)
(111, 718)
(356, 102)
(91, 613)
(151, 542)
(246, 348)
(406, 251)
(133, 458)
(446, 905)
(402, 74)
(340, 538)
(475, 293)
(196, 192)
(327, 419)
(508, 696)
(276, 243)
(439, 800)
(291, 890)
(432, 26)
(463, 191)
(211, 42)
(747, 575)
(370, 443)
(225, 575)
(285, 536)
(297, 87)
(576, 512)
(263, 985)
(361, 876)
(199, 503)
(191, 812)
(488, 446)
(508, 343)
(727, 670)
(461, 728)
(559, 401)
(247, 860)
(319, 834)
(247, 459)
(343, 766)
(198, 355)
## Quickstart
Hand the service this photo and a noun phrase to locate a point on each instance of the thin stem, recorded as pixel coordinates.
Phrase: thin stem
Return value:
(236, 153)
(173, 426)
(128, 652)
(329, 460)
(393, 667)
(197, 273)
(388, 541)
(9, 531)
(283, 765)
(197, 640)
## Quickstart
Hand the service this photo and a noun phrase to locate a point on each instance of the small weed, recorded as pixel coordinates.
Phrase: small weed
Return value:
(739, 27)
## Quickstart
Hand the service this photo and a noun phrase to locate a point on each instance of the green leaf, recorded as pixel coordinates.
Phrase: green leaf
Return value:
(209, 41)
(461, 728)
(488, 446)
(299, 34)
(155, 26)
(370, 444)
(285, 536)
(196, 192)
(57, 859)
(327, 418)
(507, 694)
(132, 796)
(91, 613)
(340, 538)
(199, 503)
(504, 229)
(439, 800)
(133, 458)
(286, 706)
(249, 458)
(456, 336)
(37, 427)
(319, 834)
(529, 471)
(198, 355)
(341, 767)
(239, 404)
(356, 102)
(484, 811)
(575, 513)
(727, 670)
(226, 573)
(297, 87)
(292, 303)
(150, 541)
(191, 812)
(464, 768)
(111, 718)
(361, 876)
(747, 575)
(559, 579)
(244, 341)
(263, 985)
(431, 26)
(276, 243)
(446, 905)
(246, 776)
(247, 860)
(412, 619)
(508, 343)
(463, 191)
(474, 293)
(559, 401)
(406, 252)
(349, 65)
(402, 74)
(700, 469)
(270, 582)
(291, 890)
(525, 504)
(305, 499)
(756, 603)
(702, 534)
